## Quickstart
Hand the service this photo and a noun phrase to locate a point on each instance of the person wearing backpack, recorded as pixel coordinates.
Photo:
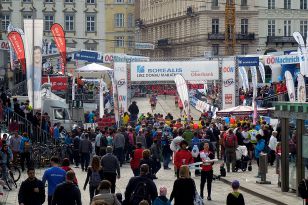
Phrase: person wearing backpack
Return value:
(140, 188)
(230, 144)
(162, 198)
(303, 190)
(25, 149)
(94, 176)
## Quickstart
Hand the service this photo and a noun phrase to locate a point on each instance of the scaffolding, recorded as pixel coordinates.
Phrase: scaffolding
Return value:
(230, 35)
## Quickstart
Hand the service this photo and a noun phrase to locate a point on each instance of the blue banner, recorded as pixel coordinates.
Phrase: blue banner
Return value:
(248, 61)
(89, 56)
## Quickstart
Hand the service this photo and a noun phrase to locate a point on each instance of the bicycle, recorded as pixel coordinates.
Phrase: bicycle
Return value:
(13, 174)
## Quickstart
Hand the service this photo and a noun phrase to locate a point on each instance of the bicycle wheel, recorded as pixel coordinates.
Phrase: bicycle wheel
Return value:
(15, 173)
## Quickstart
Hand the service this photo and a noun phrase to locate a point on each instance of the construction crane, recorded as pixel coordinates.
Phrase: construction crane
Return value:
(230, 37)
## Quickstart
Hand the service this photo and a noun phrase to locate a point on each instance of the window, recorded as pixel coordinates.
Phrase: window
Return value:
(243, 2)
(215, 26)
(119, 1)
(304, 27)
(244, 49)
(215, 3)
(244, 26)
(69, 22)
(287, 28)
(5, 21)
(303, 4)
(271, 27)
(48, 21)
(119, 41)
(71, 45)
(130, 42)
(90, 23)
(130, 20)
(131, 1)
(287, 4)
(215, 49)
(27, 16)
(48, 1)
(271, 4)
(90, 1)
(91, 46)
(119, 20)
(26, 1)
(69, 1)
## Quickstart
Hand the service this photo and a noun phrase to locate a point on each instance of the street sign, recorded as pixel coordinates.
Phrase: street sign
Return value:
(144, 46)
(248, 61)
(89, 56)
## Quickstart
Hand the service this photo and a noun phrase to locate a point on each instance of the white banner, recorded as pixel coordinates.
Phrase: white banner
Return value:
(167, 70)
(115, 100)
(228, 88)
(254, 78)
(120, 77)
(244, 78)
(102, 87)
(182, 89)
(284, 59)
(290, 86)
(302, 52)
(262, 71)
(34, 69)
(301, 89)
(73, 88)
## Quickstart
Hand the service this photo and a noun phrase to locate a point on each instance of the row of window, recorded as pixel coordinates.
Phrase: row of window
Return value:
(72, 1)
(215, 2)
(69, 21)
(271, 4)
(244, 26)
(287, 29)
(215, 49)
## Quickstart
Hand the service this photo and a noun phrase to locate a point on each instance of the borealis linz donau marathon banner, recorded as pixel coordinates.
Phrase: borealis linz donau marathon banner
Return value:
(59, 37)
(18, 46)
(167, 70)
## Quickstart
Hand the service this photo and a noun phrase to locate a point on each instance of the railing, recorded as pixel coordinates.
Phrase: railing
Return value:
(16, 122)
(18, 89)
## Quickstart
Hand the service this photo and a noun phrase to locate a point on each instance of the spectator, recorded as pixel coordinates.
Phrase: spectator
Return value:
(272, 145)
(105, 195)
(182, 157)
(134, 111)
(32, 190)
(15, 141)
(119, 144)
(235, 197)
(25, 149)
(136, 157)
(162, 198)
(230, 145)
(85, 150)
(66, 167)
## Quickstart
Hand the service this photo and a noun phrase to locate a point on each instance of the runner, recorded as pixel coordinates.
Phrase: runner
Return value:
(153, 101)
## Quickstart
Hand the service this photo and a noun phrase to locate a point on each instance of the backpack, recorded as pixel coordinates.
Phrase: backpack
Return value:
(27, 146)
(103, 142)
(195, 151)
(230, 141)
(95, 178)
(303, 189)
(140, 193)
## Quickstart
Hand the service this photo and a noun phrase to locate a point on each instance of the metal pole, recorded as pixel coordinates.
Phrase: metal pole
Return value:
(284, 155)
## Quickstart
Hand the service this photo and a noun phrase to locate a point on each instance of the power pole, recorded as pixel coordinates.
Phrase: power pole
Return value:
(230, 37)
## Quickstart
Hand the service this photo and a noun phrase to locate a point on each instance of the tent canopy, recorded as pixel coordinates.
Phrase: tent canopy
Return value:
(93, 67)
(240, 110)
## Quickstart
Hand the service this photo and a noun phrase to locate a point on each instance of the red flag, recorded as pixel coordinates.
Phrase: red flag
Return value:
(59, 37)
(18, 46)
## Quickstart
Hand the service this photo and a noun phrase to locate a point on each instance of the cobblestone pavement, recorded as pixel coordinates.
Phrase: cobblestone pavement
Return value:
(165, 177)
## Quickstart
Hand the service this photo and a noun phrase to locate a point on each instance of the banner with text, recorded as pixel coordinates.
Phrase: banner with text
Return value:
(301, 89)
(120, 78)
(228, 88)
(166, 70)
(58, 83)
(285, 59)
(59, 38)
(181, 87)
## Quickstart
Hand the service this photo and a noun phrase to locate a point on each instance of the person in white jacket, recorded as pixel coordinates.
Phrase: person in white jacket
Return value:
(272, 145)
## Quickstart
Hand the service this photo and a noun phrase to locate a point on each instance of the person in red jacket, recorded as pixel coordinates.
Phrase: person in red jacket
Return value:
(136, 157)
(207, 170)
(182, 157)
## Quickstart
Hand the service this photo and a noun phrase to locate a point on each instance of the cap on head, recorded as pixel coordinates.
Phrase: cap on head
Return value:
(235, 184)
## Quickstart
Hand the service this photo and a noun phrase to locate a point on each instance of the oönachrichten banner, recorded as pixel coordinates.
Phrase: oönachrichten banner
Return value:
(120, 77)
(167, 70)
(228, 87)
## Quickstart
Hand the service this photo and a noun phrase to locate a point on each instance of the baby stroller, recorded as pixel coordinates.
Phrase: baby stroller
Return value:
(242, 158)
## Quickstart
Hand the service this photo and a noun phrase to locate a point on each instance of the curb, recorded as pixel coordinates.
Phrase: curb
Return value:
(257, 194)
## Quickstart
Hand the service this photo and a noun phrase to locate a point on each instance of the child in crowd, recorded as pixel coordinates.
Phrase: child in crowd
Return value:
(162, 199)
(235, 197)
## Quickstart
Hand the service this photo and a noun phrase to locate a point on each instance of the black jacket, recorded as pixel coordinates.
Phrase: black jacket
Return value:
(26, 194)
(89, 174)
(66, 193)
(233, 199)
(133, 109)
(132, 185)
(183, 192)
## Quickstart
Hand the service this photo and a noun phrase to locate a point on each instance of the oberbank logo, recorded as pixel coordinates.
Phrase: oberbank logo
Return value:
(140, 69)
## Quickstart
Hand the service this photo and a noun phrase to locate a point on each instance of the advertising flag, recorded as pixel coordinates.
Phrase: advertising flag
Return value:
(254, 84)
(102, 87)
(73, 88)
(182, 89)
(115, 100)
(243, 75)
(59, 37)
(302, 53)
(120, 77)
(301, 89)
(33, 52)
(290, 86)
(17, 43)
(262, 71)
(228, 87)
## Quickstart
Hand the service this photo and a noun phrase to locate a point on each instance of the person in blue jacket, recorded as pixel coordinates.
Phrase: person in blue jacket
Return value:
(24, 150)
(259, 148)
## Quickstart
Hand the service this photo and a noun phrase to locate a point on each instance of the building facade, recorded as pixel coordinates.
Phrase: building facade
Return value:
(83, 20)
(120, 26)
(278, 19)
(196, 28)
